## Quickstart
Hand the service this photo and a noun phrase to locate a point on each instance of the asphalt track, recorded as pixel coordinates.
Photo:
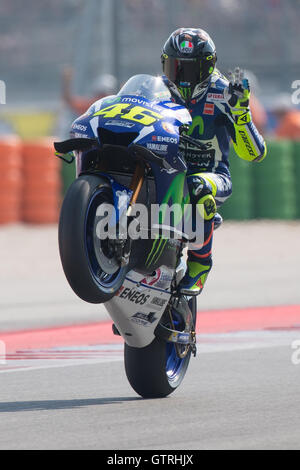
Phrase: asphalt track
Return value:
(63, 384)
(240, 392)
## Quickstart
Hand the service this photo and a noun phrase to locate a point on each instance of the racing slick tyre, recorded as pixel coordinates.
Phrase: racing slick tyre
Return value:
(156, 370)
(88, 261)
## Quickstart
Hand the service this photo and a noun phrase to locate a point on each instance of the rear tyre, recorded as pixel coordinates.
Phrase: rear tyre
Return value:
(156, 370)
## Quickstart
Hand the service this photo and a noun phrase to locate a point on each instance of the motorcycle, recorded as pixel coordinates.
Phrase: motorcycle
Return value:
(127, 153)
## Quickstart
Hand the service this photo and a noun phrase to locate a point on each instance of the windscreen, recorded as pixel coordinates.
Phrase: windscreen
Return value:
(146, 86)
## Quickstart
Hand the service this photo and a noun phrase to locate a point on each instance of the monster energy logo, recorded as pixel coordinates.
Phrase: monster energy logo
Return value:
(170, 220)
(157, 249)
(185, 92)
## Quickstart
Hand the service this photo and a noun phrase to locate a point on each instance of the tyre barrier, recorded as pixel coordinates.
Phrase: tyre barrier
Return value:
(266, 189)
(275, 183)
(297, 176)
(41, 197)
(33, 182)
(11, 179)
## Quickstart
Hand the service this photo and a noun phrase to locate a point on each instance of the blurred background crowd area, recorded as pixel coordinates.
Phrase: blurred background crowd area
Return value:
(39, 40)
(58, 56)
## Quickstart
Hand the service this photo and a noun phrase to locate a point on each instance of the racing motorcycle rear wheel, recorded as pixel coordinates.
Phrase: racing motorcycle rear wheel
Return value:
(158, 369)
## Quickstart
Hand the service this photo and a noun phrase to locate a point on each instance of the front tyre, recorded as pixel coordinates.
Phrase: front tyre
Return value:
(88, 262)
(156, 370)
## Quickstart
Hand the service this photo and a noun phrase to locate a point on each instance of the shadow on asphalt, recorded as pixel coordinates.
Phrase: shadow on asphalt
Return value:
(9, 407)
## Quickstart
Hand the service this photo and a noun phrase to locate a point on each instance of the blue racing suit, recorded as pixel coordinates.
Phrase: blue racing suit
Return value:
(215, 125)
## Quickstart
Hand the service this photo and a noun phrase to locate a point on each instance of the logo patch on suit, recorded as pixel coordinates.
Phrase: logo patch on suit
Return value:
(215, 97)
(209, 108)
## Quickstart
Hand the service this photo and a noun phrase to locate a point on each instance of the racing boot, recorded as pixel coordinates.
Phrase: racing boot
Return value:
(199, 261)
(195, 276)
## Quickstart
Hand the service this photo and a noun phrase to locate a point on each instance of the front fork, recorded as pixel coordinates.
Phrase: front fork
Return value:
(124, 200)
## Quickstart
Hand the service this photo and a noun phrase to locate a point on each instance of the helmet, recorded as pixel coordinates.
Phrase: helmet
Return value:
(188, 60)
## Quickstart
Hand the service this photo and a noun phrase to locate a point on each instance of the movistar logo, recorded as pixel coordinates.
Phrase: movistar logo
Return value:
(197, 122)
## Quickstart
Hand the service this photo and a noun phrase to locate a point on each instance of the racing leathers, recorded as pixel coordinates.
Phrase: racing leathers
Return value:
(219, 116)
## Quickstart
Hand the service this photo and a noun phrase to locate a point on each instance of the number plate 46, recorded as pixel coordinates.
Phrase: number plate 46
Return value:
(139, 114)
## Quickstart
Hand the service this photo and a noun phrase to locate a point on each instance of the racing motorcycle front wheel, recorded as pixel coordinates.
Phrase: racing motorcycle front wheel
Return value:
(158, 369)
(89, 263)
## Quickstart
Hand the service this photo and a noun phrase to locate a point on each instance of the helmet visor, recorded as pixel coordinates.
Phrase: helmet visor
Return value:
(188, 72)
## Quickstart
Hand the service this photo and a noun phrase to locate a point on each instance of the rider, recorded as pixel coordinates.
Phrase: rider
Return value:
(220, 113)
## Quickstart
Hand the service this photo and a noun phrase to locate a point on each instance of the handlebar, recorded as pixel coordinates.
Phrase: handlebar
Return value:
(190, 140)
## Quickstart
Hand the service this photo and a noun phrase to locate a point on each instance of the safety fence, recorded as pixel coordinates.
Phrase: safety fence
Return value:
(268, 189)
(33, 183)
